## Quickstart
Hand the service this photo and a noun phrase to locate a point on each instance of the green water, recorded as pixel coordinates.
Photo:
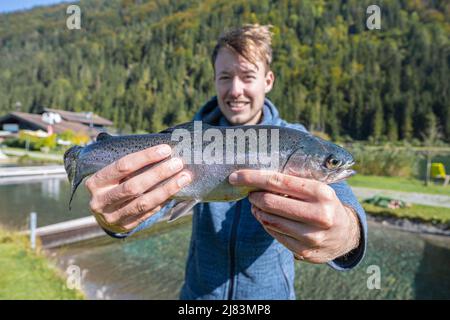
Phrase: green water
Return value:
(151, 266)
(48, 197)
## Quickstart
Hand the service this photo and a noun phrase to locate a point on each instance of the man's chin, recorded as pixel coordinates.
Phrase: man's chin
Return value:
(237, 120)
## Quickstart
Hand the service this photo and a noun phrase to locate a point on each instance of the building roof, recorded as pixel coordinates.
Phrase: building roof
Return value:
(36, 121)
(81, 117)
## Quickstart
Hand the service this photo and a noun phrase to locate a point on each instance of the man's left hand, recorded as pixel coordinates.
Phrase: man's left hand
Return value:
(304, 215)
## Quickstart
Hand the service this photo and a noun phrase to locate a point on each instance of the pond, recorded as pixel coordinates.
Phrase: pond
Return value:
(48, 196)
(151, 264)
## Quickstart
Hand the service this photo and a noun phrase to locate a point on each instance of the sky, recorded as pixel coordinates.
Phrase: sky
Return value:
(15, 5)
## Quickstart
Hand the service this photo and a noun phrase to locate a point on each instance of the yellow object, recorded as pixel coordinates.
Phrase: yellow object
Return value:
(438, 172)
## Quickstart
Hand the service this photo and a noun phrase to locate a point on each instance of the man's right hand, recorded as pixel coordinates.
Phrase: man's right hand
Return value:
(125, 193)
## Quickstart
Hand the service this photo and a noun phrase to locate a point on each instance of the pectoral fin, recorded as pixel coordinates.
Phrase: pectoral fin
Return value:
(181, 208)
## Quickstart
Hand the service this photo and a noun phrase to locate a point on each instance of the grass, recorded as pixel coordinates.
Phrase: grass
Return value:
(25, 274)
(32, 152)
(415, 212)
(24, 158)
(398, 184)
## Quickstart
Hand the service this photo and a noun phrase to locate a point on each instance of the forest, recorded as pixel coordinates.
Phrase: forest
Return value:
(146, 64)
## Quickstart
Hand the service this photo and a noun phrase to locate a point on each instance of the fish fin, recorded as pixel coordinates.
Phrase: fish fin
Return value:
(74, 185)
(186, 125)
(70, 164)
(181, 208)
(103, 136)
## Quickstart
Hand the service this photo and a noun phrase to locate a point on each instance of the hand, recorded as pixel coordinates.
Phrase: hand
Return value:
(125, 193)
(302, 214)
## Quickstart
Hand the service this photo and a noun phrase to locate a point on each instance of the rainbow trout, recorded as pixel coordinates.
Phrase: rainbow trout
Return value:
(212, 153)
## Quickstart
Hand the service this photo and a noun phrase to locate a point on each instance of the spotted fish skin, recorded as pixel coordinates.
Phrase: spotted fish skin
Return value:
(297, 153)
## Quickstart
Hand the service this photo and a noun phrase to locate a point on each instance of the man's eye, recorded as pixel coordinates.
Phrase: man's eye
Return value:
(224, 78)
(249, 77)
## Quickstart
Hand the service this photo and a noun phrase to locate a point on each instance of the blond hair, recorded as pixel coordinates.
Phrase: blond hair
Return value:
(252, 41)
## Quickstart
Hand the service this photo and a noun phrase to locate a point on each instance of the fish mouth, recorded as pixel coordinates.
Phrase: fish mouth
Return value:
(343, 174)
(348, 164)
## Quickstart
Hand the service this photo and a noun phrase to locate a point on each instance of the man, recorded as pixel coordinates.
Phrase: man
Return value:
(243, 249)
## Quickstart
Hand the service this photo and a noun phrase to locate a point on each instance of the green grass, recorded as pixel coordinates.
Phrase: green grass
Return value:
(25, 274)
(24, 158)
(33, 152)
(415, 212)
(398, 184)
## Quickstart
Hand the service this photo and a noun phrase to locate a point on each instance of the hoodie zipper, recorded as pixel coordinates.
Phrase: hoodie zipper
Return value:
(233, 247)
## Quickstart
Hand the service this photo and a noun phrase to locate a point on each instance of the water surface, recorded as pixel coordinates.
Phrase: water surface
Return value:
(151, 266)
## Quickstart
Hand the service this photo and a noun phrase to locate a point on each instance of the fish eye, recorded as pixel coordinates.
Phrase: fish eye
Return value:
(332, 163)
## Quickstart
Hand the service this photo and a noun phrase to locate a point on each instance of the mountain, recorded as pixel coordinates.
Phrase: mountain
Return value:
(146, 64)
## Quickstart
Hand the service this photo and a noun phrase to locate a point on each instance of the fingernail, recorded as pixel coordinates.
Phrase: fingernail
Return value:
(176, 164)
(165, 150)
(184, 180)
(233, 178)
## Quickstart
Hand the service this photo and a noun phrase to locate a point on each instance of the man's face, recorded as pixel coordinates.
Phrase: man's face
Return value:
(241, 87)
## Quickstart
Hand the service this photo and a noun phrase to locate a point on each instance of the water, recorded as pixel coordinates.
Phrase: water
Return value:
(151, 266)
(47, 196)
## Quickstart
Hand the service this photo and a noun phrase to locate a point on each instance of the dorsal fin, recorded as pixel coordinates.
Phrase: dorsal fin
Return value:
(187, 125)
(103, 136)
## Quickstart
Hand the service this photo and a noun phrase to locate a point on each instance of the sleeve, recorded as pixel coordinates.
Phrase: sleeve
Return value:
(150, 221)
(354, 257)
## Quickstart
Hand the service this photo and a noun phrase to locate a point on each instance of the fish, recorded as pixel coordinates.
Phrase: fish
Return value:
(212, 153)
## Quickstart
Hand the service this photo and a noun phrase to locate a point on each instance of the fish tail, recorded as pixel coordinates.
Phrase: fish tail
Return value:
(70, 164)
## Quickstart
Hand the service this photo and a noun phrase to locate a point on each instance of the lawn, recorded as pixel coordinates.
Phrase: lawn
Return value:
(24, 158)
(398, 184)
(415, 212)
(25, 274)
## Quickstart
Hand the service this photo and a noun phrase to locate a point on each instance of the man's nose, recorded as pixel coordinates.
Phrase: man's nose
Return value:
(237, 87)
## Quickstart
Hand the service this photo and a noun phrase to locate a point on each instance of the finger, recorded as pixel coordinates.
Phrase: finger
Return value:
(301, 188)
(300, 251)
(128, 164)
(152, 199)
(292, 244)
(306, 234)
(132, 222)
(133, 187)
(315, 214)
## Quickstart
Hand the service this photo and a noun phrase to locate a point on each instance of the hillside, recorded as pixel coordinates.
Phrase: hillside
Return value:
(146, 64)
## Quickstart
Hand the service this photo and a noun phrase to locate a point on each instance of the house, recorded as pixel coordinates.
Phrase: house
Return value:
(61, 121)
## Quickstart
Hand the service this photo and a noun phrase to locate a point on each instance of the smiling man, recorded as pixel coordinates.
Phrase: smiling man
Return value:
(241, 85)
(243, 249)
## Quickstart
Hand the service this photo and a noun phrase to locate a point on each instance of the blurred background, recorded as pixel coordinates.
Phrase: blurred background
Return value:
(138, 66)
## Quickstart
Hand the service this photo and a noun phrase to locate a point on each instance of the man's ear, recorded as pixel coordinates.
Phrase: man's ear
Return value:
(270, 79)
